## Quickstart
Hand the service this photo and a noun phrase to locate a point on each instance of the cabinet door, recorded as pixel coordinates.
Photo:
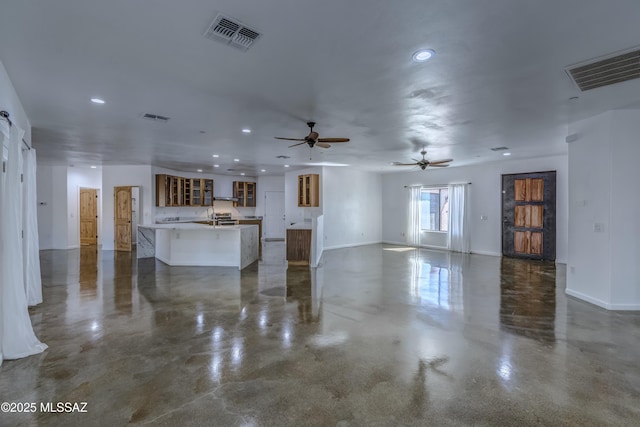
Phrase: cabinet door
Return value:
(186, 191)
(239, 193)
(301, 191)
(250, 191)
(207, 192)
(196, 192)
(162, 191)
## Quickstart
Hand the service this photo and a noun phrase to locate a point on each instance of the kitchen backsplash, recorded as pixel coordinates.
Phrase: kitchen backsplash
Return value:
(202, 212)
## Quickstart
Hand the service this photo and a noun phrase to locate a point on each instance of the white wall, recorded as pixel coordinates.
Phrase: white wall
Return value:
(51, 188)
(604, 209)
(44, 190)
(80, 177)
(135, 176)
(485, 199)
(10, 102)
(352, 207)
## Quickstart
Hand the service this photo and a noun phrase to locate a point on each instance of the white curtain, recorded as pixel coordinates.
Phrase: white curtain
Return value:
(413, 222)
(31, 246)
(458, 240)
(16, 333)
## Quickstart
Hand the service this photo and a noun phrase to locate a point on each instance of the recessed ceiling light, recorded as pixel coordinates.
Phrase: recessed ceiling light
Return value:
(506, 154)
(263, 170)
(242, 173)
(199, 170)
(286, 166)
(93, 167)
(246, 130)
(97, 101)
(423, 55)
(216, 155)
(236, 160)
(216, 166)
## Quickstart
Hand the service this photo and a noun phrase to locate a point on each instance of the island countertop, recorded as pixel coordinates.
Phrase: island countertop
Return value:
(193, 226)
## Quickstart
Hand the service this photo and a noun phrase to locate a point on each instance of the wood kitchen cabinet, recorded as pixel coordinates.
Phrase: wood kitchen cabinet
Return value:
(179, 191)
(201, 192)
(309, 190)
(169, 190)
(298, 246)
(245, 192)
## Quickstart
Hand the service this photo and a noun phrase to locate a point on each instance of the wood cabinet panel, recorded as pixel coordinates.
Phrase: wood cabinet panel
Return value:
(298, 246)
(309, 190)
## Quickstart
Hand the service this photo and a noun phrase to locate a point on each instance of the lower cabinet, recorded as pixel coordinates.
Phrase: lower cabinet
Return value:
(298, 246)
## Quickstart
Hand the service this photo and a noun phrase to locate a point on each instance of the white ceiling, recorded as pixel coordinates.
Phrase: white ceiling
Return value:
(497, 79)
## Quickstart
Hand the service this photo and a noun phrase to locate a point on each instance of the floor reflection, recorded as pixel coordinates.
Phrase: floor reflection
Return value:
(88, 270)
(299, 289)
(123, 280)
(528, 298)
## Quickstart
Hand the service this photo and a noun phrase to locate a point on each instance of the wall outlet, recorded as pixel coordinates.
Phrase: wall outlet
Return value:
(598, 227)
(483, 217)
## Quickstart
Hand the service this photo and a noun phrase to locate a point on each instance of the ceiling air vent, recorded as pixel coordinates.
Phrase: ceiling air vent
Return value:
(607, 70)
(499, 148)
(155, 117)
(232, 32)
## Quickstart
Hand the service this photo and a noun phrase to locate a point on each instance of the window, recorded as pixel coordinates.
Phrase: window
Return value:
(434, 209)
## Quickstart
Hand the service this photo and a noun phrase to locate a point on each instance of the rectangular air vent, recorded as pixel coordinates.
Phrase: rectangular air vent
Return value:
(499, 148)
(155, 117)
(232, 32)
(606, 71)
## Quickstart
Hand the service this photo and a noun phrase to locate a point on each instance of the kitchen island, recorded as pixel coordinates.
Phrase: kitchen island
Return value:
(188, 244)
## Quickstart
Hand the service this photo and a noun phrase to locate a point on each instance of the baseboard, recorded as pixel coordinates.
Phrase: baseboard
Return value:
(600, 303)
(73, 246)
(388, 242)
(350, 245)
(561, 261)
(498, 254)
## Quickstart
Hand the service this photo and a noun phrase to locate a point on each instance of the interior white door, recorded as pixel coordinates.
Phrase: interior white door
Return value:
(274, 214)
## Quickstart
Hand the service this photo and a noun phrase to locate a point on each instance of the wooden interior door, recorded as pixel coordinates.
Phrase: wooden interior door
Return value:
(122, 218)
(529, 215)
(88, 216)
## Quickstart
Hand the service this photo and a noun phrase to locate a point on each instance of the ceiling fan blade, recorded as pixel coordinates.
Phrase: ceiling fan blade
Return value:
(333, 140)
(290, 139)
(322, 145)
(437, 165)
(299, 143)
(403, 164)
(441, 161)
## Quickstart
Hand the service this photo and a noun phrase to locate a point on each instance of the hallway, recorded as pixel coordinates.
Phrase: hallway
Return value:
(377, 335)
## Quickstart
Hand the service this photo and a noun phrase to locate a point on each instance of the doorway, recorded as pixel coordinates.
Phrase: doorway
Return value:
(123, 227)
(529, 215)
(88, 216)
(274, 215)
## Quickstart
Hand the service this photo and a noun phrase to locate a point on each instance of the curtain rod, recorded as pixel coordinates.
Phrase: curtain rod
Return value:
(5, 115)
(436, 185)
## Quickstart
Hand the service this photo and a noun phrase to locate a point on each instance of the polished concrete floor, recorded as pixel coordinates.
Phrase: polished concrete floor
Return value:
(378, 335)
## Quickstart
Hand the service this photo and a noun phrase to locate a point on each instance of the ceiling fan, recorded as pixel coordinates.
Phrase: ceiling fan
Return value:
(423, 163)
(313, 140)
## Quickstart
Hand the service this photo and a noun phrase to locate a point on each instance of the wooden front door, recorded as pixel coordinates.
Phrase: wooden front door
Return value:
(88, 216)
(529, 215)
(122, 218)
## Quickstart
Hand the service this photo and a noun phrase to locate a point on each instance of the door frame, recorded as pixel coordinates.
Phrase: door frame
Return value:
(552, 225)
(266, 219)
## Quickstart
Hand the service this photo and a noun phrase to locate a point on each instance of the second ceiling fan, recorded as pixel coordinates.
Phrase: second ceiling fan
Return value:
(313, 140)
(423, 163)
